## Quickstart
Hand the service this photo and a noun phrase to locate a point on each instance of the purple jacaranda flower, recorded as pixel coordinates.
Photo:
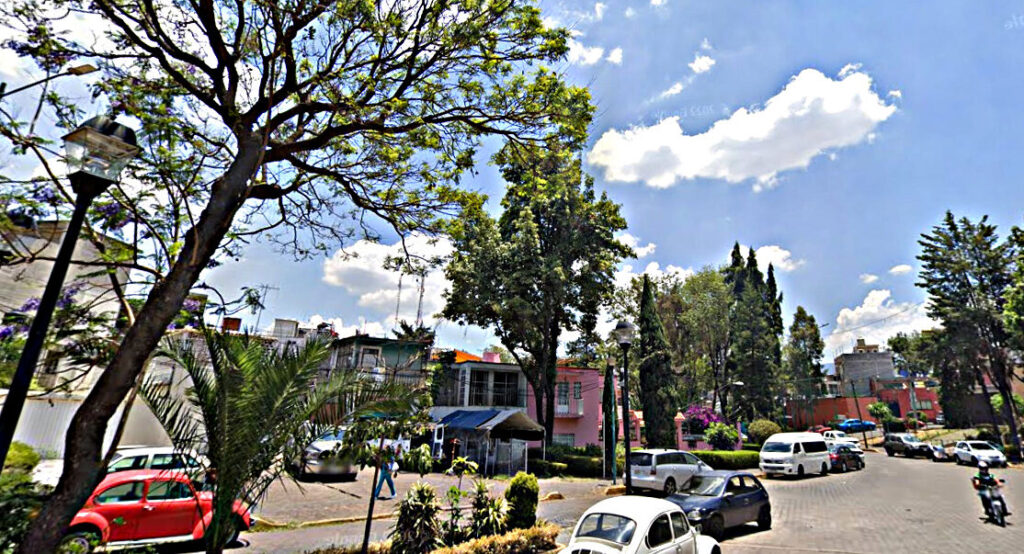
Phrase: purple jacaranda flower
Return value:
(172, 327)
(6, 332)
(191, 305)
(30, 305)
(67, 297)
(45, 195)
(109, 210)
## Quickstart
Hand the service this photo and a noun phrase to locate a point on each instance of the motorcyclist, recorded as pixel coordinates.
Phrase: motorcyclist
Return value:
(983, 481)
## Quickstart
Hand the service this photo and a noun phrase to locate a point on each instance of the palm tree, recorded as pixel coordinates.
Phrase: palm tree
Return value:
(252, 403)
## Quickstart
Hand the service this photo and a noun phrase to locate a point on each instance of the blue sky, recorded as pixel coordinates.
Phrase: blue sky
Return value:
(949, 139)
(827, 135)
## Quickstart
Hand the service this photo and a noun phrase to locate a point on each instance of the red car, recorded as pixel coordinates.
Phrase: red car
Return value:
(819, 429)
(146, 506)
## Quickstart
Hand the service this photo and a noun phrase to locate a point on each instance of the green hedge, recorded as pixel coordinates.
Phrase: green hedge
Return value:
(21, 457)
(540, 538)
(728, 459)
(545, 468)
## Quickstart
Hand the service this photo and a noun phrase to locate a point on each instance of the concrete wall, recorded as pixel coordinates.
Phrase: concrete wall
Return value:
(822, 410)
(860, 368)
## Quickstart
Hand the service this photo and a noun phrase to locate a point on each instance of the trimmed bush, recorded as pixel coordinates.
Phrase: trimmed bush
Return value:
(728, 459)
(545, 468)
(583, 466)
(522, 495)
(759, 430)
(418, 529)
(521, 541)
(751, 446)
(721, 436)
(21, 457)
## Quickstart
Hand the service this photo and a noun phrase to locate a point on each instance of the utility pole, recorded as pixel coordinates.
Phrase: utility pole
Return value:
(863, 432)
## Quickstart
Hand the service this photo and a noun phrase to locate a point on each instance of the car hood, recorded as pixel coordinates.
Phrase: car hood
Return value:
(592, 546)
(693, 501)
(320, 445)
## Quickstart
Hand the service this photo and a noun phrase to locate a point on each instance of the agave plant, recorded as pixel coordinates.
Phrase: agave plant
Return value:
(417, 529)
(489, 513)
(249, 403)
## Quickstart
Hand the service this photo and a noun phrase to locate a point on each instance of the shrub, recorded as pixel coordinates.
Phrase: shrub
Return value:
(751, 446)
(461, 467)
(534, 540)
(21, 457)
(698, 418)
(417, 530)
(20, 499)
(451, 529)
(728, 459)
(759, 430)
(987, 435)
(522, 495)
(418, 460)
(721, 436)
(548, 469)
(583, 466)
(895, 426)
(489, 514)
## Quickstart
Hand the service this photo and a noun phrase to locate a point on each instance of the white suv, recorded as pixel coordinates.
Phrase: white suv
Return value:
(664, 470)
(972, 452)
(156, 457)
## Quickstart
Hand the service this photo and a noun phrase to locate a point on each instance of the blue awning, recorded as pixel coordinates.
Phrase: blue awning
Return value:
(467, 419)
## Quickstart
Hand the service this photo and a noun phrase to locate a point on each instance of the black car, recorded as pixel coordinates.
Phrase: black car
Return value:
(843, 458)
(906, 444)
(716, 500)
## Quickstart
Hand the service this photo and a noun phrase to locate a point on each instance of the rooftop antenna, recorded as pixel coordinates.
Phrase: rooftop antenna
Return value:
(398, 303)
(263, 287)
(419, 308)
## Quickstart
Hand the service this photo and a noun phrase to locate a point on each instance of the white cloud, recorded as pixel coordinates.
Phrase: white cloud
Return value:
(615, 56)
(901, 269)
(849, 69)
(775, 255)
(658, 2)
(868, 278)
(896, 93)
(813, 114)
(701, 64)
(630, 12)
(584, 55)
(634, 243)
(362, 326)
(705, 44)
(599, 9)
(673, 90)
(360, 270)
(876, 319)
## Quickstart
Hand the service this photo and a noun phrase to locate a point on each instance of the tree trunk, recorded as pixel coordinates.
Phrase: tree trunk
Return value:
(83, 468)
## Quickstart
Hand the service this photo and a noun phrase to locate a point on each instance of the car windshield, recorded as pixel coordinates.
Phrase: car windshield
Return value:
(704, 485)
(911, 438)
(838, 434)
(332, 436)
(776, 447)
(834, 448)
(640, 458)
(980, 446)
(609, 527)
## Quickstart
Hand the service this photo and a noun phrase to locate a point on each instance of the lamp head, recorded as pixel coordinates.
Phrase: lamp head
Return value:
(100, 148)
(624, 331)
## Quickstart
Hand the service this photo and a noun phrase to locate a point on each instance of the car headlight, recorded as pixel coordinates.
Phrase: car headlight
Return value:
(694, 514)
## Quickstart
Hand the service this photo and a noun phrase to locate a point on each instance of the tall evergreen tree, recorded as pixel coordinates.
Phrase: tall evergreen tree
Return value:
(967, 272)
(656, 377)
(755, 350)
(610, 436)
(803, 354)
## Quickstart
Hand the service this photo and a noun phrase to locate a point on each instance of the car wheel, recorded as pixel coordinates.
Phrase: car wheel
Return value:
(670, 486)
(974, 461)
(764, 518)
(79, 541)
(800, 471)
(843, 467)
(715, 527)
(824, 469)
(889, 452)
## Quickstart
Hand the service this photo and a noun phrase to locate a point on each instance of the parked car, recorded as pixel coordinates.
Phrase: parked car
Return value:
(906, 444)
(941, 453)
(144, 507)
(794, 454)
(842, 458)
(819, 429)
(156, 457)
(856, 426)
(972, 452)
(664, 470)
(719, 500)
(321, 458)
(634, 525)
(839, 436)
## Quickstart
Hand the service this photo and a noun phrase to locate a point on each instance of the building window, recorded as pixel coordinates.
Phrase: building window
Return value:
(562, 393)
(924, 404)
(369, 357)
(577, 395)
(564, 439)
(478, 389)
(506, 389)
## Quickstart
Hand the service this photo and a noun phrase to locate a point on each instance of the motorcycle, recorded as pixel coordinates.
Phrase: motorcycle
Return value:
(997, 505)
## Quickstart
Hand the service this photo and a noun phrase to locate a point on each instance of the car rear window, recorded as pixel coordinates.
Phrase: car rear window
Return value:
(640, 458)
(609, 527)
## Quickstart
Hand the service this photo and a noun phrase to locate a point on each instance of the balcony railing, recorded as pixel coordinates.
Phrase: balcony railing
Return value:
(498, 396)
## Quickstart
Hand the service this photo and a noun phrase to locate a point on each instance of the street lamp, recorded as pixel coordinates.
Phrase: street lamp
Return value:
(716, 399)
(83, 69)
(624, 336)
(95, 154)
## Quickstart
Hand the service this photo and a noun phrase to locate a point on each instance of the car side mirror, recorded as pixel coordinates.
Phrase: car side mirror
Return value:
(728, 496)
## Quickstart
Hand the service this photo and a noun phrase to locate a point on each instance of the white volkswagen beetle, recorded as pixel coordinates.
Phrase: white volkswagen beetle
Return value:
(637, 525)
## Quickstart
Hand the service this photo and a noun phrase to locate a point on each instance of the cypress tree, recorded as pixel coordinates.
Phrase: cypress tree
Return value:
(656, 378)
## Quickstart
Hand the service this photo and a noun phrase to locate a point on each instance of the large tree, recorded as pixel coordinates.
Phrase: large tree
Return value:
(967, 271)
(657, 381)
(754, 348)
(304, 123)
(802, 357)
(543, 267)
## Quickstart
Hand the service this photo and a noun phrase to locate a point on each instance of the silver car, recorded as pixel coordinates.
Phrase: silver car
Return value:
(664, 470)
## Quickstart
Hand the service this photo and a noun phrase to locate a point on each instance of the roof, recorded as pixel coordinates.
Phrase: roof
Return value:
(634, 507)
(513, 424)
(794, 436)
(143, 474)
(725, 473)
(467, 419)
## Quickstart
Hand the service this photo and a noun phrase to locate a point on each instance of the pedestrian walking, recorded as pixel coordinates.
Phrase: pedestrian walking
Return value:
(386, 465)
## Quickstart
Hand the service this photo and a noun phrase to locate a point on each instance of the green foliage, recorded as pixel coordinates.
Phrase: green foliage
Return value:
(543, 267)
(547, 468)
(21, 457)
(418, 460)
(535, 540)
(736, 459)
(452, 531)
(998, 404)
(20, 500)
(657, 382)
(251, 403)
(522, 497)
(489, 515)
(462, 466)
(880, 411)
(803, 354)
(759, 430)
(417, 529)
(721, 436)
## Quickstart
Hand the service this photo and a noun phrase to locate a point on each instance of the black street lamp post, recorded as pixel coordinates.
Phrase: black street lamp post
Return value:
(95, 154)
(624, 336)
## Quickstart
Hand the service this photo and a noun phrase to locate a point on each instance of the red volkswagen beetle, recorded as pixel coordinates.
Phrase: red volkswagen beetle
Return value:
(146, 506)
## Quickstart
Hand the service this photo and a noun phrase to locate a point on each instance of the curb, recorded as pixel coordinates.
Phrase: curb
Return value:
(615, 490)
(335, 520)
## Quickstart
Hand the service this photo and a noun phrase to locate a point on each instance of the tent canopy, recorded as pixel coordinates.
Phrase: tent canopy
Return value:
(513, 424)
(468, 420)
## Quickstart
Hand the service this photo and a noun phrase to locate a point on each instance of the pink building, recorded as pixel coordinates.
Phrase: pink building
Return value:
(577, 406)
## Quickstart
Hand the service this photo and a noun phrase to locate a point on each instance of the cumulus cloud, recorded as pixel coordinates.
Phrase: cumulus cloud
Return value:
(776, 255)
(584, 55)
(634, 243)
(615, 56)
(657, 3)
(360, 271)
(630, 12)
(868, 278)
(901, 269)
(898, 94)
(812, 115)
(701, 64)
(345, 329)
(876, 319)
(673, 90)
(599, 9)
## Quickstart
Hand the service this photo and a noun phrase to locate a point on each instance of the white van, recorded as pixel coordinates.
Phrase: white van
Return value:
(794, 454)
